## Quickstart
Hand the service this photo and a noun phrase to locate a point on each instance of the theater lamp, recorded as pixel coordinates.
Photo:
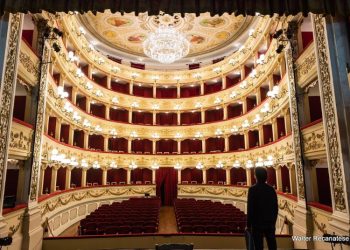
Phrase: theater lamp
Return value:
(115, 69)
(178, 135)
(76, 117)
(84, 163)
(132, 165)
(61, 93)
(197, 76)
(274, 92)
(220, 164)
(113, 164)
(245, 124)
(234, 129)
(199, 165)
(232, 62)
(269, 161)
(249, 164)
(236, 164)
(95, 165)
(177, 166)
(88, 86)
(155, 165)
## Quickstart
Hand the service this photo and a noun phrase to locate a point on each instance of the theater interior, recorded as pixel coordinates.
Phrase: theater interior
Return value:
(126, 124)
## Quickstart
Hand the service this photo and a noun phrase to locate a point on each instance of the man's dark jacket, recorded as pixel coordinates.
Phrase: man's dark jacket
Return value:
(262, 206)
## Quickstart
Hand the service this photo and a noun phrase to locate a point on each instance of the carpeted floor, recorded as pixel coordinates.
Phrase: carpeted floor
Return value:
(167, 220)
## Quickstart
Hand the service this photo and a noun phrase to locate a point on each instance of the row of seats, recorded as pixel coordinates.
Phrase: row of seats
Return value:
(204, 216)
(133, 216)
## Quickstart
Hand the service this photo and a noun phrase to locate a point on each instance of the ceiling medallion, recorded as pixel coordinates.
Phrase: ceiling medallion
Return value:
(166, 45)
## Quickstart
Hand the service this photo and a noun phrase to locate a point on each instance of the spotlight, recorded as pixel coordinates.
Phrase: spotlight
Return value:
(56, 47)
(279, 49)
(57, 32)
(277, 34)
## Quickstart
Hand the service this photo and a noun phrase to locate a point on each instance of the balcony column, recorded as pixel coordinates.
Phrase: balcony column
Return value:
(154, 89)
(201, 84)
(227, 143)
(131, 88)
(179, 146)
(154, 176)
(58, 129)
(28, 108)
(109, 82)
(204, 150)
(130, 115)
(270, 82)
(178, 117)
(246, 140)
(71, 135)
(105, 143)
(249, 176)
(46, 124)
(242, 72)
(128, 176)
(104, 176)
(292, 181)
(228, 176)
(274, 130)
(261, 135)
(42, 175)
(83, 177)
(90, 69)
(224, 84)
(88, 105)
(224, 109)
(74, 95)
(129, 145)
(287, 122)
(204, 172)
(244, 105)
(202, 115)
(107, 112)
(179, 176)
(279, 186)
(258, 97)
(53, 179)
(154, 117)
(68, 178)
(178, 90)
(154, 146)
(86, 139)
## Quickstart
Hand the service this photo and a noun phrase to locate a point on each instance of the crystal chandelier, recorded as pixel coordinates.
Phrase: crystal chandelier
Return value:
(166, 45)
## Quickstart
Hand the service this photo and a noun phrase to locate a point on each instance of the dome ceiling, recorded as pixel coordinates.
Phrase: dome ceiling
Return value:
(126, 32)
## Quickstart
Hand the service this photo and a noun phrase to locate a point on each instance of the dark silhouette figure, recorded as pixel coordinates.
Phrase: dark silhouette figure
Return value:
(262, 211)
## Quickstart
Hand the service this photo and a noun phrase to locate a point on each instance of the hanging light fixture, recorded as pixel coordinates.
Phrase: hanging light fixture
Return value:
(166, 45)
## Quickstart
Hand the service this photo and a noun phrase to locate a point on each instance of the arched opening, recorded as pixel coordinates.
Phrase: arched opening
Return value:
(238, 176)
(116, 176)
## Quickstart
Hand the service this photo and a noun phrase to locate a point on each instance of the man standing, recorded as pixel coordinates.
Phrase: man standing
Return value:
(262, 211)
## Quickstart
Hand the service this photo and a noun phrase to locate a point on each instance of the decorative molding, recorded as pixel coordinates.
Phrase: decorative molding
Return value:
(39, 128)
(296, 134)
(287, 206)
(335, 163)
(7, 91)
(29, 65)
(20, 141)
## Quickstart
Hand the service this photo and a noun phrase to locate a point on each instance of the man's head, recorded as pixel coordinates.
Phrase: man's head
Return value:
(260, 174)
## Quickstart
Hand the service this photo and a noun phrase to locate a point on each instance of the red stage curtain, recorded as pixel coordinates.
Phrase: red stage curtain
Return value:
(315, 108)
(61, 178)
(98, 110)
(236, 142)
(324, 191)
(268, 137)
(166, 184)
(47, 180)
(285, 179)
(190, 91)
(271, 176)
(19, 107)
(117, 175)
(120, 87)
(76, 176)
(238, 175)
(214, 115)
(52, 127)
(234, 110)
(94, 175)
(11, 182)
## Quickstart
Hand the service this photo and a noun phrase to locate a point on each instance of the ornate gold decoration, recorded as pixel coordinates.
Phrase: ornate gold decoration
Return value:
(306, 66)
(295, 123)
(220, 191)
(28, 64)
(20, 140)
(8, 87)
(330, 117)
(287, 206)
(319, 225)
(63, 200)
(38, 133)
(314, 141)
(14, 228)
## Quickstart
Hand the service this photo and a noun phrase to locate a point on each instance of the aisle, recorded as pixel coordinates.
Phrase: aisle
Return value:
(167, 220)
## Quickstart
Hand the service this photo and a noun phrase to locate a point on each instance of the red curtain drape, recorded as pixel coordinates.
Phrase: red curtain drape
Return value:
(236, 142)
(61, 178)
(120, 115)
(166, 119)
(281, 129)
(190, 91)
(232, 80)
(94, 175)
(169, 146)
(143, 146)
(141, 174)
(253, 138)
(188, 118)
(116, 175)
(11, 182)
(118, 144)
(285, 179)
(142, 118)
(216, 175)
(212, 87)
(64, 133)
(19, 107)
(214, 115)
(166, 92)
(52, 127)
(251, 103)
(142, 91)
(98, 110)
(96, 142)
(81, 102)
(78, 139)
(271, 176)
(47, 180)
(267, 133)
(234, 110)
(166, 185)
(120, 87)
(238, 175)
(215, 144)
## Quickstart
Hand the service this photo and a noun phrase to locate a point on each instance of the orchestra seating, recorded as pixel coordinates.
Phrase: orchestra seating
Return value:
(133, 216)
(205, 216)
